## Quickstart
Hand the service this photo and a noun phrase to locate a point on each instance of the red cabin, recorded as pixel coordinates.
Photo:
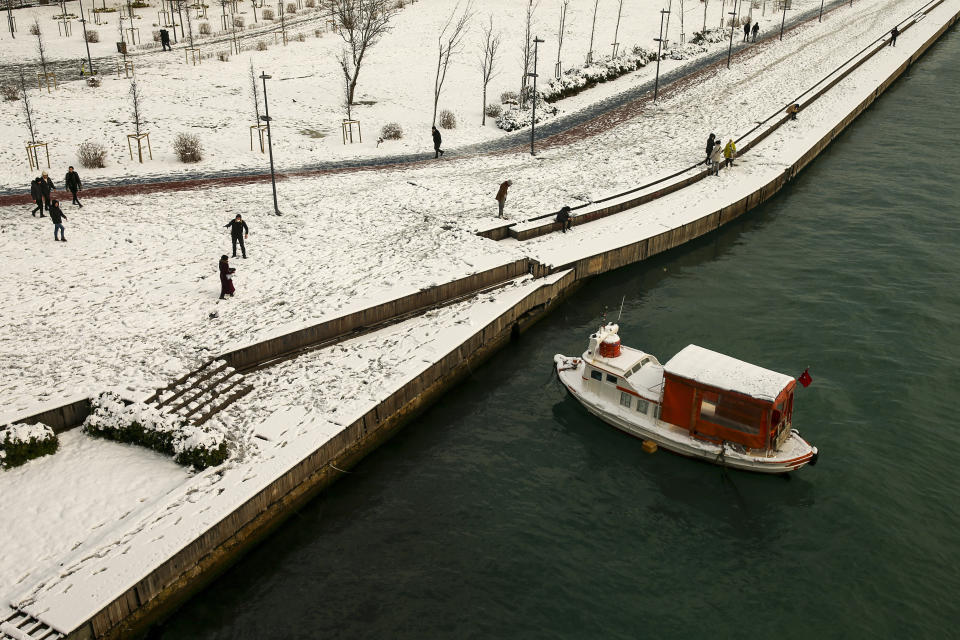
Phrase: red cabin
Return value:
(719, 398)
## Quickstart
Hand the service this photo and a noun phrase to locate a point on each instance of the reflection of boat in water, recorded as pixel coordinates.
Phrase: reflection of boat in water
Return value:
(700, 404)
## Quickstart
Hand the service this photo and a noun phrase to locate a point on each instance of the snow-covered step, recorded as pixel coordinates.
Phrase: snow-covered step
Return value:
(23, 626)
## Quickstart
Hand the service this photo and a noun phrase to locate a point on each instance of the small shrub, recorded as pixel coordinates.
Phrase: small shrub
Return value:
(205, 28)
(34, 30)
(447, 119)
(94, 81)
(156, 35)
(223, 56)
(262, 45)
(493, 110)
(318, 33)
(93, 36)
(267, 14)
(139, 5)
(188, 148)
(400, 4)
(310, 4)
(92, 155)
(301, 37)
(10, 92)
(391, 131)
(238, 22)
(20, 443)
(291, 7)
(509, 97)
(44, 3)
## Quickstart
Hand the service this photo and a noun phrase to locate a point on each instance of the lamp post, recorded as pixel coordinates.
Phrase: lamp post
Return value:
(732, 16)
(266, 118)
(83, 21)
(533, 115)
(783, 21)
(656, 84)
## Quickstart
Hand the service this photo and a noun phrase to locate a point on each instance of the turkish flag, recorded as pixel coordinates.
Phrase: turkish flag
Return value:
(805, 378)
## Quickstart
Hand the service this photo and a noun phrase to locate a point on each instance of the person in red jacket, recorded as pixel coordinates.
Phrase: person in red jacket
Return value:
(226, 278)
(502, 195)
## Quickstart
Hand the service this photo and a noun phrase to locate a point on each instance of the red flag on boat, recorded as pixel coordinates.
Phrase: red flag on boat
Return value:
(805, 378)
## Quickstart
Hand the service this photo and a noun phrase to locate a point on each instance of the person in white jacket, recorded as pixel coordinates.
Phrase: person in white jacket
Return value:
(716, 157)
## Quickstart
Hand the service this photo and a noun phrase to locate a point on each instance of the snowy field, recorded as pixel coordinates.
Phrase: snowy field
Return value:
(214, 100)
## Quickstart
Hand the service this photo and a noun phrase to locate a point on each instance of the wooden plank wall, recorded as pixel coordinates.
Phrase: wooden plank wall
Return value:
(62, 418)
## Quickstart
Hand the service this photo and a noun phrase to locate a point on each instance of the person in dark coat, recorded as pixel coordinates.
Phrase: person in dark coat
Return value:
(238, 231)
(36, 192)
(165, 40)
(436, 143)
(710, 142)
(563, 217)
(57, 216)
(746, 31)
(893, 36)
(226, 278)
(46, 187)
(73, 184)
(756, 30)
(501, 196)
(793, 110)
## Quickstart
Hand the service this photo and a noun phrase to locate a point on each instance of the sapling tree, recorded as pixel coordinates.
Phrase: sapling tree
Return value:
(490, 46)
(527, 47)
(448, 42)
(255, 93)
(136, 103)
(189, 28)
(254, 4)
(362, 23)
(616, 29)
(10, 19)
(27, 108)
(345, 59)
(560, 31)
(41, 47)
(593, 28)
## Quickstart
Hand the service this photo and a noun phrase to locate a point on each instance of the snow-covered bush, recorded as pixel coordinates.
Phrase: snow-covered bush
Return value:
(573, 81)
(267, 14)
(223, 56)
(310, 4)
(391, 131)
(318, 33)
(262, 44)
(147, 426)
(188, 148)
(291, 7)
(94, 81)
(513, 119)
(34, 29)
(93, 36)
(493, 110)
(137, 4)
(509, 97)
(709, 36)
(92, 155)
(301, 37)
(238, 22)
(205, 29)
(20, 443)
(10, 92)
(447, 119)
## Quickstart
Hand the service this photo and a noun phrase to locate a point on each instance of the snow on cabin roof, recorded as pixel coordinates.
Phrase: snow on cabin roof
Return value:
(723, 372)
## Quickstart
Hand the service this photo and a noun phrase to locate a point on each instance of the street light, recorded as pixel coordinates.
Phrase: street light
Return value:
(656, 84)
(83, 21)
(266, 118)
(533, 115)
(732, 16)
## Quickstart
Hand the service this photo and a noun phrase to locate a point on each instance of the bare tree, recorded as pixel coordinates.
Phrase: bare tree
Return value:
(254, 3)
(527, 48)
(136, 100)
(616, 30)
(345, 59)
(593, 27)
(449, 41)
(189, 28)
(27, 109)
(563, 20)
(706, 3)
(256, 93)
(41, 48)
(683, 33)
(362, 23)
(490, 43)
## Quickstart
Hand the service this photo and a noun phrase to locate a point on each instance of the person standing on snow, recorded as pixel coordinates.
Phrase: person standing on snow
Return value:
(238, 231)
(46, 187)
(893, 36)
(729, 152)
(746, 30)
(57, 216)
(436, 143)
(165, 40)
(73, 184)
(710, 142)
(756, 30)
(715, 156)
(501, 197)
(36, 192)
(563, 217)
(226, 278)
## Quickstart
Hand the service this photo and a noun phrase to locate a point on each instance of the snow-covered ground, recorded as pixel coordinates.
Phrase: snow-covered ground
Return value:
(214, 101)
(131, 298)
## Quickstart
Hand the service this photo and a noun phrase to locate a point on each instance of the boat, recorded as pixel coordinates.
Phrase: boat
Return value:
(701, 404)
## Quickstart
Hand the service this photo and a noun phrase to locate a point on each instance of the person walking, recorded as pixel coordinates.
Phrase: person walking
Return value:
(46, 187)
(893, 36)
(501, 197)
(716, 155)
(238, 231)
(36, 192)
(746, 30)
(756, 30)
(437, 140)
(73, 184)
(57, 216)
(226, 278)
(563, 217)
(729, 152)
(165, 40)
(710, 142)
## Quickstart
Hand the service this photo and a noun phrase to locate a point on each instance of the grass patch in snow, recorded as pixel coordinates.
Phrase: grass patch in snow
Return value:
(313, 133)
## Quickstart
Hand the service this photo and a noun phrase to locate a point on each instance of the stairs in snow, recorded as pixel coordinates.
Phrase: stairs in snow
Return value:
(23, 626)
(201, 394)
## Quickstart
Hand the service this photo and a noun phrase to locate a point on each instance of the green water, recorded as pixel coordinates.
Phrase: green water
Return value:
(508, 511)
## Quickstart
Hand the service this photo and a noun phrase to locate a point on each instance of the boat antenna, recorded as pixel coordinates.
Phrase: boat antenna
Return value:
(621, 308)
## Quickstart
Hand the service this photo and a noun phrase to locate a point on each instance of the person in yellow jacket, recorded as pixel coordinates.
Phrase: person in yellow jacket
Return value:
(729, 153)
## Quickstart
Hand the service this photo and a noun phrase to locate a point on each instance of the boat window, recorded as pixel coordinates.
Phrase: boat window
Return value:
(625, 399)
(642, 405)
(611, 378)
(596, 375)
(733, 414)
